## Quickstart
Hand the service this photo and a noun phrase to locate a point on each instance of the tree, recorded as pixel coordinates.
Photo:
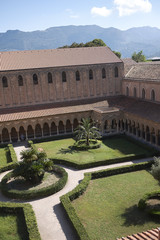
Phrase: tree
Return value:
(155, 169)
(33, 165)
(94, 43)
(86, 131)
(118, 54)
(138, 57)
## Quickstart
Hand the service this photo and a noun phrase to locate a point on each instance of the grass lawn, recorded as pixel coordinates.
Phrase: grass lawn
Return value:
(116, 147)
(12, 227)
(4, 156)
(108, 209)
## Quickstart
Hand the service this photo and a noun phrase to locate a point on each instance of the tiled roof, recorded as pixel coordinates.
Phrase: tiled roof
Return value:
(148, 71)
(17, 60)
(143, 109)
(128, 63)
(148, 235)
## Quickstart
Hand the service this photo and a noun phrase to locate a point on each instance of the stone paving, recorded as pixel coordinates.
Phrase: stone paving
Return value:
(51, 218)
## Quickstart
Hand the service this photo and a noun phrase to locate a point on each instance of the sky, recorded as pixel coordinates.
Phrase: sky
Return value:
(31, 15)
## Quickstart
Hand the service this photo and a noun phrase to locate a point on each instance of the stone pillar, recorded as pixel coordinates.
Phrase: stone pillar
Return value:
(18, 137)
(64, 129)
(72, 128)
(117, 128)
(156, 139)
(57, 130)
(26, 135)
(42, 132)
(50, 131)
(10, 140)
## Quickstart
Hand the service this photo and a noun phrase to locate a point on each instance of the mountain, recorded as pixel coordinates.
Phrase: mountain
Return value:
(126, 42)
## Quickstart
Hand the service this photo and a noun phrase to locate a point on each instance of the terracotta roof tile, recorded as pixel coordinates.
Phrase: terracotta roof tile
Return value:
(147, 235)
(17, 60)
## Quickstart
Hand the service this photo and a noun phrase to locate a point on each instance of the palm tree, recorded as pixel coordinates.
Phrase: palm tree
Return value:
(86, 130)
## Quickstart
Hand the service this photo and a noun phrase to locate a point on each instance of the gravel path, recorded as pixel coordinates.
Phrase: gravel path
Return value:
(51, 218)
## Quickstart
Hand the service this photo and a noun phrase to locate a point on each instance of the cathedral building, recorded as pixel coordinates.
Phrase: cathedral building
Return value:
(46, 93)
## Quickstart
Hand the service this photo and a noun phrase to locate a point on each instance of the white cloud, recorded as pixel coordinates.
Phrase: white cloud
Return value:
(74, 16)
(103, 11)
(128, 7)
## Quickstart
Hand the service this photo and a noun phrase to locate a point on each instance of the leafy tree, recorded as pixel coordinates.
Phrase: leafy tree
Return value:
(86, 130)
(33, 165)
(118, 54)
(138, 57)
(94, 43)
(155, 169)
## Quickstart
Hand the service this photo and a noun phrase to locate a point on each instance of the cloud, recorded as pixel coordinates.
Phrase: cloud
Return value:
(71, 13)
(103, 11)
(128, 7)
(74, 16)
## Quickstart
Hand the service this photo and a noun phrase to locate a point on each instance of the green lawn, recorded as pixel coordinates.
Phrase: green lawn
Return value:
(116, 147)
(4, 156)
(12, 227)
(108, 209)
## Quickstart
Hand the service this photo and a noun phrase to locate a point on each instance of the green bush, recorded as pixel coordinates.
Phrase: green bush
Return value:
(155, 169)
(81, 145)
(33, 194)
(12, 153)
(81, 188)
(13, 157)
(29, 217)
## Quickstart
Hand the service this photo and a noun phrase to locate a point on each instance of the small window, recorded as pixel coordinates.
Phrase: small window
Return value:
(35, 79)
(20, 80)
(116, 72)
(153, 98)
(90, 74)
(50, 77)
(143, 94)
(77, 76)
(64, 78)
(135, 92)
(127, 91)
(5, 82)
(103, 73)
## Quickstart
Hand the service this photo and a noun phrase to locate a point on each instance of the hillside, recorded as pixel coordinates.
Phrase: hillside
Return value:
(128, 41)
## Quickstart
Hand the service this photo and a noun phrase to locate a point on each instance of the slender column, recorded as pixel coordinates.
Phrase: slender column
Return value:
(49, 131)
(117, 128)
(18, 137)
(57, 130)
(72, 128)
(42, 133)
(26, 135)
(64, 129)
(10, 140)
(156, 139)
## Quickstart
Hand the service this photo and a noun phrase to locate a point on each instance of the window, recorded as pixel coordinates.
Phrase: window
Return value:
(20, 80)
(35, 79)
(77, 76)
(135, 92)
(153, 98)
(64, 78)
(50, 77)
(116, 72)
(5, 82)
(90, 74)
(103, 73)
(127, 91)
(143, 94)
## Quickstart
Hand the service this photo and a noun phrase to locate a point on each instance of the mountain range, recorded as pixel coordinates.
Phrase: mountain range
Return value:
(124, 41)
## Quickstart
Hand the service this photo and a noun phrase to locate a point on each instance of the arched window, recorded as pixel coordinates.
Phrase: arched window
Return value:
(35, 79)
(127, 91)
(90, 74)
(50, 77)
(153, 98)
(20, 80)
(64, 78)
(77, 76)
(135, 92)
(103, 73)
(143, 94)
(5, 82)
(116, 72)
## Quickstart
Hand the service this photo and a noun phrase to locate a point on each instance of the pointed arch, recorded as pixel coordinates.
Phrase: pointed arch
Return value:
(30, 132)
(22, 133)
(53, 128)
(68, 126)
(135, 92)
(38, 130)
(4, 82)
(5, 135)
(46, 131)
(14, 135)
(153, 96)
(61, 127)
(75, 123)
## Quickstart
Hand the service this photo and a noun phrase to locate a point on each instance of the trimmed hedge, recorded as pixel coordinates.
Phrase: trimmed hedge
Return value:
(80, 145)
(142, 202)
(13, 157)
(29, 217)
(98, 163)
(80, 189)
(33, 194)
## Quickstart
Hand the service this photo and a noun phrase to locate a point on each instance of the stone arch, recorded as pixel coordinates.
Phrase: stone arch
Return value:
(153, 96)
(30, 132)
(53, 128)
(61, 127)
(46, 131)
(14, 135)
(22, 133)
(143, 93)
(38, 130)
(5, 135)
(75, 123)
(68, 126)
(35, 79)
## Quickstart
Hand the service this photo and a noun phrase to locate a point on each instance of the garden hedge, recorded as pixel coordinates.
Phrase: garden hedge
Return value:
(13, 157)
(33, 194)
(29, 217)
(80, 189)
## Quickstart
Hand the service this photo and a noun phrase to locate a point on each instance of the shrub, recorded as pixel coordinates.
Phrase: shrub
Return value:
(155, 169)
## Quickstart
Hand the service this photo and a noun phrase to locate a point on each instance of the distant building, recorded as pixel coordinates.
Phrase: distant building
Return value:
(46, 92)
